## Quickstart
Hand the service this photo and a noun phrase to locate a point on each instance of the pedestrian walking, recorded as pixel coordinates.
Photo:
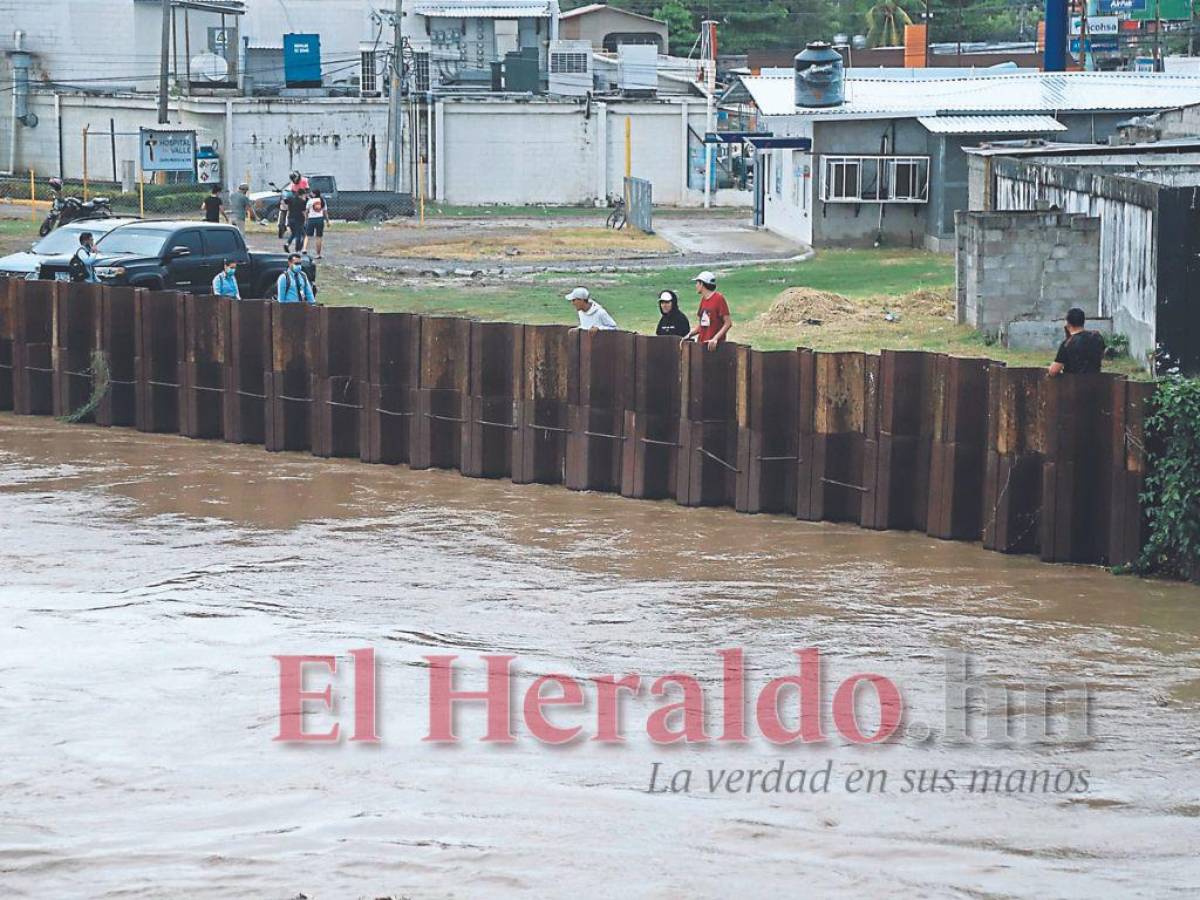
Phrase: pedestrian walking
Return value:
(713, 318)
(315, 215)
(212, 206)
(293, 285)
(82, 266)
(592, 316)
(1082, 351)
(240, 207)
(297, 203)
(226, 283)
(672, 321)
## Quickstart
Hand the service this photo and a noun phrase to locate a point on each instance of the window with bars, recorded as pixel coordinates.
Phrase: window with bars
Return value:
(875, 179)
(368, 82)
(421, 70)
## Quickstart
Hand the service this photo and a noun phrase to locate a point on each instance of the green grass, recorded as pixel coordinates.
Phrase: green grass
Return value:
(631, 297)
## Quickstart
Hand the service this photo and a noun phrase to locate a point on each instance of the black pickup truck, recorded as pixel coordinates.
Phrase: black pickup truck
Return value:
(350, 206)
(183, 256)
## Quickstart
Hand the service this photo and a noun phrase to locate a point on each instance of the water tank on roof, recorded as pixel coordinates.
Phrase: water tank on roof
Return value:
(820, 76)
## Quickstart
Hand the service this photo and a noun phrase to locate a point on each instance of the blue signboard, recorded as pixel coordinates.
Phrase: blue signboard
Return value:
(302, 60)
(168, 151)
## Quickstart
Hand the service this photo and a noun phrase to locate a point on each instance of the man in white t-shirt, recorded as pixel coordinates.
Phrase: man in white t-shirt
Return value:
(592, 316)
(315, 213)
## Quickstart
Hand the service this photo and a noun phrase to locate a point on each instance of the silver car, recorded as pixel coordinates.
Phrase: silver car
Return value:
(58, 246)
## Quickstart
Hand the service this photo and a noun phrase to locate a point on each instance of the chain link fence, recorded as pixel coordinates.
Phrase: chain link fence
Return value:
(185, 200)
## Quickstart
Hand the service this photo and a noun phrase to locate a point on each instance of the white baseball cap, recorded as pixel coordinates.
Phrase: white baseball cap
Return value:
(580, 293)
(706, 278)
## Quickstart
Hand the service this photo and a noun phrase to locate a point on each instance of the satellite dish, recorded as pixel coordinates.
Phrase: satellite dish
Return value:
(209, 67)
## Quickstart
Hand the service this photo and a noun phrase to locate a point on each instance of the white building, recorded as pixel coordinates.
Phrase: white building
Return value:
(481, 147)
(887, 165)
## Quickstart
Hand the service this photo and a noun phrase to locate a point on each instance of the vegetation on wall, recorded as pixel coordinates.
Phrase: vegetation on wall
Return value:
(1172, 495)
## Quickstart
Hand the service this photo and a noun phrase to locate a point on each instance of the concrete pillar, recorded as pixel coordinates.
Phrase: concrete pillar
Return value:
(683, 152)
(601, 145)
(439, 127)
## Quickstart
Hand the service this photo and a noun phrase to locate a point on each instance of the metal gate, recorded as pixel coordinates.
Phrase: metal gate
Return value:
(639, 204)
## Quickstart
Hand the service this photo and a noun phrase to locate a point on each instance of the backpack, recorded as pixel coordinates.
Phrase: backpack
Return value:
(76, 270)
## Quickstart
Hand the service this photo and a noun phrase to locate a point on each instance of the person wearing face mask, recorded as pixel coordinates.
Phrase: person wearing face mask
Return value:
(293, 285)
(673, 321)
(225, 284)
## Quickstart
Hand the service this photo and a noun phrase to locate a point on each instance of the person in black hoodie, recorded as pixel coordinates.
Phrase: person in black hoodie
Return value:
(673, 322)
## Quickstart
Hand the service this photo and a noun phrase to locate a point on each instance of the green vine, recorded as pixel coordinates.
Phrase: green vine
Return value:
(101, 381)
(1172, 494)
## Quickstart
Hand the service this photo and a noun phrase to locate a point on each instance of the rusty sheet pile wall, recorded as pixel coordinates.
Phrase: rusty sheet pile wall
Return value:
(962, 449)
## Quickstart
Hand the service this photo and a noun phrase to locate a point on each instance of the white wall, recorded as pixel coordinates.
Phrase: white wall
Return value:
(559, 153)
(269, 137)
(90, 43)
(788, 207)
(488, 152)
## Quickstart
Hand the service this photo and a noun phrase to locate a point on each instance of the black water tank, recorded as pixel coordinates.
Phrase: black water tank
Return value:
(820, 76)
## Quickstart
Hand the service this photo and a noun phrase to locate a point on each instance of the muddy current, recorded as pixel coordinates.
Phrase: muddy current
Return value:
(147, 584)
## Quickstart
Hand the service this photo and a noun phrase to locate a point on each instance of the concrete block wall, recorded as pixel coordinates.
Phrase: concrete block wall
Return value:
(1025, 266)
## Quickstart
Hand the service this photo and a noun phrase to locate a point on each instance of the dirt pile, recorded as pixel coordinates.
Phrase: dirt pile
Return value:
(800, 306)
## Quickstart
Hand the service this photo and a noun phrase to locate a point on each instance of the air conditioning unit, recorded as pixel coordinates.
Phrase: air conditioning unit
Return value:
(570, 68)
(637, 68)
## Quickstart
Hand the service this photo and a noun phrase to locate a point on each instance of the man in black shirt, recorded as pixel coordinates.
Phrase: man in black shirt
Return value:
(296, 204)
(673, 322)
(213, 208)
(1081, 352)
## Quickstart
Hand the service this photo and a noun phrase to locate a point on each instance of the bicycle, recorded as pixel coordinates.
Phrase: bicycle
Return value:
(616, 218)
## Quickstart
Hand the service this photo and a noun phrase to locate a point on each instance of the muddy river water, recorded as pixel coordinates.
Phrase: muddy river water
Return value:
(148, 582)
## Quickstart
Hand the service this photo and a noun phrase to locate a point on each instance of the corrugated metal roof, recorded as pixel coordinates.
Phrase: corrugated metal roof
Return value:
(1026, 92)
(991, 124)
(596, 7)
(482, 9)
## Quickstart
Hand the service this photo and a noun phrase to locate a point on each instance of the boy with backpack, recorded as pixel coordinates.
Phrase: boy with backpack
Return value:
(82, 266)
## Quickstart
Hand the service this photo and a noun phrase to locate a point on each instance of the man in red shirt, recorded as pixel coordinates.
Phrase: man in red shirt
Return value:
(713, 320)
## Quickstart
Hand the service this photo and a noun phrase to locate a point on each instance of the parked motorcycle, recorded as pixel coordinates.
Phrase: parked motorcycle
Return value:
(71, 209)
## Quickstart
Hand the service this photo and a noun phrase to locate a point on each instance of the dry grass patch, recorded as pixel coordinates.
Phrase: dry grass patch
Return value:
(538, 245)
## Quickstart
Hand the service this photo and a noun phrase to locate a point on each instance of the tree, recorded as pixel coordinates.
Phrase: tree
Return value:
(681, 25)
(885, 24)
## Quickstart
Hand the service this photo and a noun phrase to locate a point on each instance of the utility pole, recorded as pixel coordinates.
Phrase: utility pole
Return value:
(394, 100)
(708, 50)
(164, 59)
